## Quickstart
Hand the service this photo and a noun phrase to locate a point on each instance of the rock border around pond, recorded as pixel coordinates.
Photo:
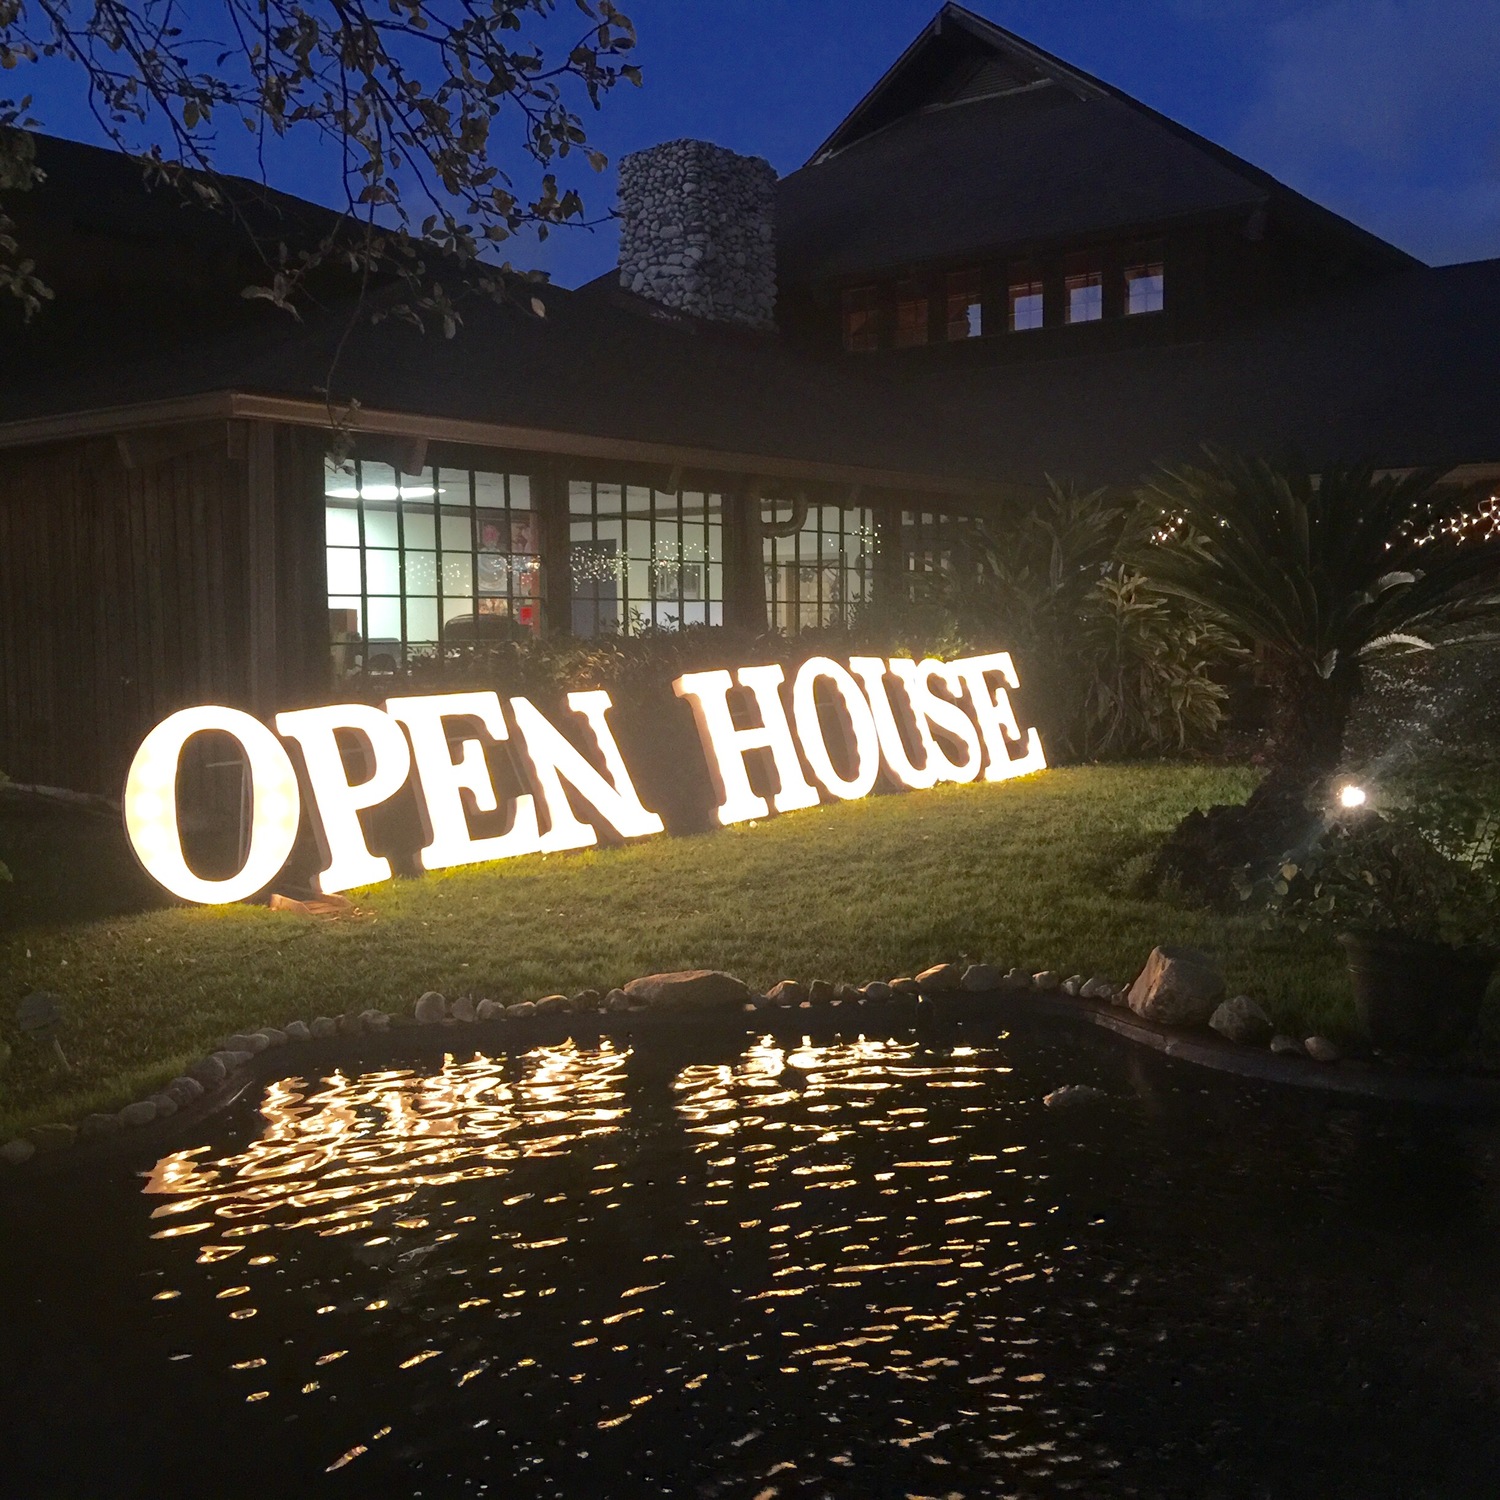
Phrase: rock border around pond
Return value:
(1234, 1035)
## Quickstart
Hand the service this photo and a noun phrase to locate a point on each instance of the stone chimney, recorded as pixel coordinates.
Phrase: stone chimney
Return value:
(698, 231)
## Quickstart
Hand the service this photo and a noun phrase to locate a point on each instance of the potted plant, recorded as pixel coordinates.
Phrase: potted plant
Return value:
(1416, 907)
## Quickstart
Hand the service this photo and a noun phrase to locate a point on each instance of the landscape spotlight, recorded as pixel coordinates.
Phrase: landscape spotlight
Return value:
(1352, 796)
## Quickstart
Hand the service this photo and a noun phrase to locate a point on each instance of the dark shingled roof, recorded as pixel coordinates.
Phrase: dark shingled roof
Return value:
(928, 166)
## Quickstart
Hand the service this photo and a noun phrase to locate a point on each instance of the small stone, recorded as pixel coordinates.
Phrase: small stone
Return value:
(1320, 1049)
(17, 1152)
(94, 1127)
(488, 1010)
(905, 987)
(845, 994)
(431, 1009)
(209, 1071)
(877, 991)
(462, 1009)
(1071, 1095)
(184, 1091)
(1017, 979)
(1047, 980)
(553, 1005)
(52, 1137)
(251, 1042)
(142, 1112)
(617, 1000)
(1242, 1020)
(1286, 1046)
(233, 1061)
(166, 1105)
(980, 979)
(788, 993)
(323, 1027)
(821, 992)
(1178, 987)
(520, 1012)
(1073, 985)
(375, 1020)
(586, 1000)
(1098, 988)
(940, 979)
(350, 1024)
(297, 1031)
(274, 1037)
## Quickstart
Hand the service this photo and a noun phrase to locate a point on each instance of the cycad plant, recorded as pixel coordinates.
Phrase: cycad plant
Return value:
(1318, 574)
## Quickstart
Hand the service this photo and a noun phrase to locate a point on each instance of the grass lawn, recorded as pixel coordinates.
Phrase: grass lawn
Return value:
(1035, 872)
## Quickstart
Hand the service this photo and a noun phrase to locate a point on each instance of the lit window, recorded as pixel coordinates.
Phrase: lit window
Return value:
(420, 563)
(965, 306)
(912, 319)
(1085, 290)
(822, 574)
(1145, 287)
(642, 558)
(1027, 305)
(862, 320)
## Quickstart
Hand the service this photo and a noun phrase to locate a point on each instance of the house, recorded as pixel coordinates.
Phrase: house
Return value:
(997, 268)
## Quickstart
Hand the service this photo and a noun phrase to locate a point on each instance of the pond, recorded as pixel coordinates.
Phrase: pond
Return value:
(829, 1266)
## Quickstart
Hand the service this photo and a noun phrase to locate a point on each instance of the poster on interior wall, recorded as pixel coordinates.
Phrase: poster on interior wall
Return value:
(836, 732)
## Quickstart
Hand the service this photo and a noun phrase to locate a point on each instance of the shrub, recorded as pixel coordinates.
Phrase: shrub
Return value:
(1110, 665)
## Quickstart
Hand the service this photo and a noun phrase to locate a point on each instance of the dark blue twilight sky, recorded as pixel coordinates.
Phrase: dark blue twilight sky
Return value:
(1386, 110)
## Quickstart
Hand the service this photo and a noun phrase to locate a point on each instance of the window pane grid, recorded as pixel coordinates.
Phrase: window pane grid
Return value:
(417, 563)
(643, 558)
(823, 573)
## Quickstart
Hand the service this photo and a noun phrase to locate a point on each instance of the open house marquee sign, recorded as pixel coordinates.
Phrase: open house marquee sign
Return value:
(910, 723)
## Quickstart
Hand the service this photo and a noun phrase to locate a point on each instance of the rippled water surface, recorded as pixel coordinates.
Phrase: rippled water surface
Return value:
(842, 1267)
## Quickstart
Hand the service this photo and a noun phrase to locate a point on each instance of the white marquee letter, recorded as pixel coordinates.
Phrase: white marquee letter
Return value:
(929, 709)
(727, 745)
(997, 719)
(442, 781)
(151, 805)
(871, 670)
(861, 724)
(336, 804)
(553, 760)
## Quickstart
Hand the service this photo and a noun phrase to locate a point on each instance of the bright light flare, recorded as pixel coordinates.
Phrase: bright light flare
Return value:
(1353, 797)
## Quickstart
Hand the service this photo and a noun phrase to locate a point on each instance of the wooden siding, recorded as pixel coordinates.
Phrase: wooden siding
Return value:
(126, 591)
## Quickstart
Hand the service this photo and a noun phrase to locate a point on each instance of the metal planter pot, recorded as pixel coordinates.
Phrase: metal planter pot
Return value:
(1416, 997)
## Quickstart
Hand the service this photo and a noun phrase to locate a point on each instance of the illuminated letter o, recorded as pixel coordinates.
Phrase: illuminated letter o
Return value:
(151, 805)
(861, 722)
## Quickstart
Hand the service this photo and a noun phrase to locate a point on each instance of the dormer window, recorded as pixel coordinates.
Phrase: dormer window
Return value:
(965, 305)
(1028, 300)
(912, 316)
(1145, 281)
(862, 320)
(1085, 291)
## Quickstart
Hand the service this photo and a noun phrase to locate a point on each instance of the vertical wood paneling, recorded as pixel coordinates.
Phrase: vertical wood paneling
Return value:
(123, 596)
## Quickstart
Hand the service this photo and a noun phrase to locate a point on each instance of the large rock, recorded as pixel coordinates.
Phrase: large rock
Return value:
(980, 979)
(52, 1137)
(133, 1116)
(1322, 1050)
(787, 994)
(940, 979)
(1071, 1095)
(431, 1009)
(209, 1071)
(14, 1153)
(693, 990)
(1242, 1020)
(1178, 987)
